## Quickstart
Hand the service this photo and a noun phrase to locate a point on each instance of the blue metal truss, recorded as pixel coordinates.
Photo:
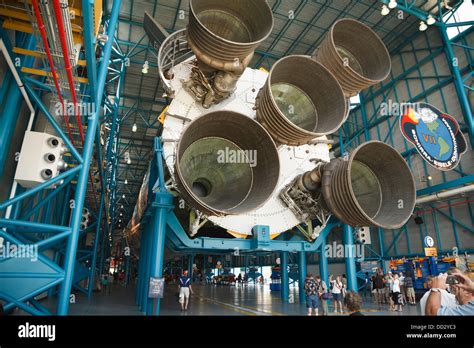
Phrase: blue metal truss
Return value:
(21, 279)
(357, 129)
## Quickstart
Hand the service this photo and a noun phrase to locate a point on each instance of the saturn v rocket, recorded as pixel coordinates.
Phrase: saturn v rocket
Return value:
(248, 147)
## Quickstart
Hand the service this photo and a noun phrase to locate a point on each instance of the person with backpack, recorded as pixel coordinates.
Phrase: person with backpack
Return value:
(184, 290)
(323, 295)
(311, 291)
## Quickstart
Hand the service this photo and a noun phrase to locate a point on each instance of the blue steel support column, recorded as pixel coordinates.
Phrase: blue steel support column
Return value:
(364, 117)
(323, 263)
(70, 256)
(285, 281)
(89, 44)
(302, 269)
(350, 259)
(246, 260)
(382, 248)
(138, 294)
(6, 85)
(163, 204)
(102, 248)
(458, 83)
(146, 266)
(96, 247)
(13, 103)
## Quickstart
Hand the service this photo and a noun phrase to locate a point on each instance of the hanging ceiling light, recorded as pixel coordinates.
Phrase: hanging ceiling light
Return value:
(129, 161)
(430, 20)
(122, 205)
(145, 68)
(134, 128)
(123, 196)
(392, 4)
(126, 182)
(423, 26)
(385, 10)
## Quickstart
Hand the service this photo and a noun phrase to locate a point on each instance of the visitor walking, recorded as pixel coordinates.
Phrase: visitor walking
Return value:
(185, 290)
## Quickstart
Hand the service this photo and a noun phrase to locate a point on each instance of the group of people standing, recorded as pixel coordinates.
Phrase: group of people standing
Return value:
(393, 289)
(318, 293)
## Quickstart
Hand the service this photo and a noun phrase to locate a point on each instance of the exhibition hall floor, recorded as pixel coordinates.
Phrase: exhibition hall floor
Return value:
(250, 300)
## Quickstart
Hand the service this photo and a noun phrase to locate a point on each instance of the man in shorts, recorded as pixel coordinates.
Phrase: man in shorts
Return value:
(379, 287)
(184, 290)
(409, 288)
(311, 291)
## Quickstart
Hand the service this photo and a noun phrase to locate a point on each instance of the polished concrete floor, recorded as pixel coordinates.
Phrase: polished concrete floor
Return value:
(210, 300)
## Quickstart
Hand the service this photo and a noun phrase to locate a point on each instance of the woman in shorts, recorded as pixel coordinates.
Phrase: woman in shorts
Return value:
(337, 292)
